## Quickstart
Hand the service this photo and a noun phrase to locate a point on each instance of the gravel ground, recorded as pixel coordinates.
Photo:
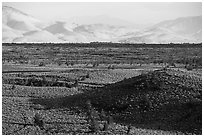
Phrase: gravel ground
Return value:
(18, 108)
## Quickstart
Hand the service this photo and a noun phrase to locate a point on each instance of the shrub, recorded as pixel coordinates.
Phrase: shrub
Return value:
(59, 63)
(38, 121)
(110, 120)
(128, 130)
(44, 81)
(95, 64)
(92, 117)
(41, 64)
(105, 128)
(110, 67)
(145, 103)
(72, 63)
(102, 115)
(67, 63)
(189, 67)
(13, 86)
(75, 83)
(87, 75)
(94, 125)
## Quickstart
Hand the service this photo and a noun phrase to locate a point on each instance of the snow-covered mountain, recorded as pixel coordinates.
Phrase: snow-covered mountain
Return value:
(103, 19)
(18, 20)
(180, 30)
(21, 27)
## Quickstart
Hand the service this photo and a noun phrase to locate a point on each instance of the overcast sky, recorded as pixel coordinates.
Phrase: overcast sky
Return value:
(141, 13)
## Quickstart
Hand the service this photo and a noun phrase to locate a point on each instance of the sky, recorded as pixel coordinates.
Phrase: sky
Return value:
(135, 12)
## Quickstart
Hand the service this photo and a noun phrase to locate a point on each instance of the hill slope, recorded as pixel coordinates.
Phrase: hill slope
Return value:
(167, 100)
(163, 99)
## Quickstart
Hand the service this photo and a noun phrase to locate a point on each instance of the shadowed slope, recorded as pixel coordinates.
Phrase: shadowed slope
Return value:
(158, 100)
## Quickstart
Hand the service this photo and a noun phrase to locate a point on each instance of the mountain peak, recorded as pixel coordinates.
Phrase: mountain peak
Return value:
(19, 26)
(11, 9)
(18, 20)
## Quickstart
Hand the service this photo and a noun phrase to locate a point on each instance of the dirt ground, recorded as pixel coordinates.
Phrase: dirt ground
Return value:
(19, 105)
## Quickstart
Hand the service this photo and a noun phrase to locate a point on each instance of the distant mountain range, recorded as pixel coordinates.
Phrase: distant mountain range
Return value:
(21, 27)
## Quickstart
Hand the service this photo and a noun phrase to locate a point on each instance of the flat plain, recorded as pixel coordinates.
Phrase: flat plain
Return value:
(101, 88)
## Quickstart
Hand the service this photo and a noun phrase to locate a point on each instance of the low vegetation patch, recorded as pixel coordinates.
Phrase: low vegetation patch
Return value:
(160, 99)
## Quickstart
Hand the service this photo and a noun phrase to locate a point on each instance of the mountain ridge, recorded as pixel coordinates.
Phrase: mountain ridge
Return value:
(17, 25)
